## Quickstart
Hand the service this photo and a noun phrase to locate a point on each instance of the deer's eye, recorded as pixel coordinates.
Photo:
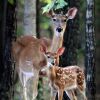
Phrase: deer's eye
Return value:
(54, 19)
(48, 56)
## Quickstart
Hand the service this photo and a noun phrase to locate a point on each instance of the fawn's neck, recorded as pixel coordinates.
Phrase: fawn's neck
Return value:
(56, 43)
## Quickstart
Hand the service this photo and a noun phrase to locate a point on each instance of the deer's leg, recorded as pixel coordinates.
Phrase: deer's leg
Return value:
(25, 93)
(21, 77)
(23, 82)
(60, 94)
(35, 86)
(53, 93)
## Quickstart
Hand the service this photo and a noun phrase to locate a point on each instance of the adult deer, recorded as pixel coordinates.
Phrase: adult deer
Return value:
(59, 26)
(29, 54)
(67, 78)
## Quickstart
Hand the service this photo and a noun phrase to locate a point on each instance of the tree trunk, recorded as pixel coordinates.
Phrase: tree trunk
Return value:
(90, 51)
(30, 17)
(7, 30)
(30, 29)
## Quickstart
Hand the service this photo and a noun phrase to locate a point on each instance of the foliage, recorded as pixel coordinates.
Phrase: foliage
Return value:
(11, 1)
(56, 4)
(45, 1)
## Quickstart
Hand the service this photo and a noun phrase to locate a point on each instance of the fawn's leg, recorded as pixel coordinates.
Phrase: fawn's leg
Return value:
(83, 92)
(60, 94)
(73, 95)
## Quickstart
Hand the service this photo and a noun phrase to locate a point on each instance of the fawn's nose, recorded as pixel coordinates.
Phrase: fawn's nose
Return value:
(59, 29)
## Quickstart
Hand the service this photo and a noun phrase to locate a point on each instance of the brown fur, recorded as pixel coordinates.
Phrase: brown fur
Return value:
(68, 78)
(30, 47)
(29, 54)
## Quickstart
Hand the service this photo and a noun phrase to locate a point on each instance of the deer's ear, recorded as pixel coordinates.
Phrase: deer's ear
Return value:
(46, 41)
(43, 48)
(71, 13)
(61, 51)
(50, 13)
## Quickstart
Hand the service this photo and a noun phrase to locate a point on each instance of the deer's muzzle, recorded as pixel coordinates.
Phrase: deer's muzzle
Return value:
(59, 29)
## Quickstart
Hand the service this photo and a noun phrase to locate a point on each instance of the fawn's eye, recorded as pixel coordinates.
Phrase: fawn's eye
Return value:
(52, 63)
(64, 20)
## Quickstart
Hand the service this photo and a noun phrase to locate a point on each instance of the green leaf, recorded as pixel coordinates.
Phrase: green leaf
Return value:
(60, 4)
(46, 1)
(11, 1)
(48, 7)
(54, 5)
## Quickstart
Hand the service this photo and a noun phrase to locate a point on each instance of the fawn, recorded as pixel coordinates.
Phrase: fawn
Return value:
(29, 54)
(67, 78)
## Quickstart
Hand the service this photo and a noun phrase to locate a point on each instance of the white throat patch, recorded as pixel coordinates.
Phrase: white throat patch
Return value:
(49, 65)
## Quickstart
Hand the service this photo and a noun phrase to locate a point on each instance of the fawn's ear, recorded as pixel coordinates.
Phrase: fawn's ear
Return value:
(61, 51)
(71, 13)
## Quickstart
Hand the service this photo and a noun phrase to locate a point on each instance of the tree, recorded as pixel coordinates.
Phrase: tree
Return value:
(29, 29)
(97, 40)
(90, 50)
(8, 27)
(30, 17)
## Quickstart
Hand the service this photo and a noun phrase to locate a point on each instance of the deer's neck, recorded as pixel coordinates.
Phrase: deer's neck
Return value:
(56, 43)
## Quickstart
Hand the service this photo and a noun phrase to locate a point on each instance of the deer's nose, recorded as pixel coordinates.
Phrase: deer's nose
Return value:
(59, 29)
